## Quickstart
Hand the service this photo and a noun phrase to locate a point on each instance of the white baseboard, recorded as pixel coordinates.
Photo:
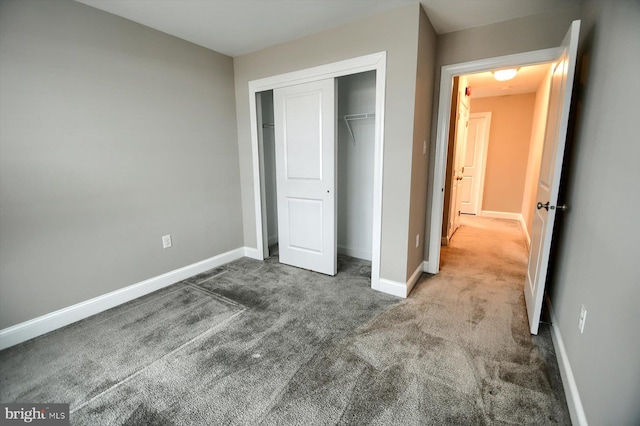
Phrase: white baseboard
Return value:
(501, 215)
(396, 288)
(413, 279)
(19, 333)
(425, 266)
(253, 253)
(354, 252)
(393, 288)
(525, 231)
(576, 410)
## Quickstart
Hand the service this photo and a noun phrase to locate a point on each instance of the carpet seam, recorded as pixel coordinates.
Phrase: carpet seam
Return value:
(146, 367)
(216, 295)
(118, 314)
(210, 278)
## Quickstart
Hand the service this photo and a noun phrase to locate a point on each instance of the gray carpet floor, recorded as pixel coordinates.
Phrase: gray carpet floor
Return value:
(263, 343)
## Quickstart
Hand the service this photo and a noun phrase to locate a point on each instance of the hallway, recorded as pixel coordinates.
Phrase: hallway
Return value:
(476, 303)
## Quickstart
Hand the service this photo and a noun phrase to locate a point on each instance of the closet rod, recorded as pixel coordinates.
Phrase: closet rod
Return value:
(351, 117)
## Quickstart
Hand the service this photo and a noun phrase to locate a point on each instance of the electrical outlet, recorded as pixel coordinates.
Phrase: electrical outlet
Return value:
(424, 147)
(583, 317)
(166, 241)
(417, 240)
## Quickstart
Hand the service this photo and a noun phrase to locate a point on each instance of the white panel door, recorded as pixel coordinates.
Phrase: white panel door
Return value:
(474, 154)
(304, 121)
(457, 176)
(550, 169)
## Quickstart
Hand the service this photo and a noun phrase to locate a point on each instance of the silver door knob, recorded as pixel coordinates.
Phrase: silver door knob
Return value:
(543, 206)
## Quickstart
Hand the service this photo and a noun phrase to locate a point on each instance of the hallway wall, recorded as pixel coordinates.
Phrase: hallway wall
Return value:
(508, 149)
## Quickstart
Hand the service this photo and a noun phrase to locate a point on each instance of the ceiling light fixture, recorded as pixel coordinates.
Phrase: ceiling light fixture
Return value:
(504, 75)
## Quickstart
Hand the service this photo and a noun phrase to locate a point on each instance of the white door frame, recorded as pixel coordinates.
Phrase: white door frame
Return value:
(442, 131)
(373, 62)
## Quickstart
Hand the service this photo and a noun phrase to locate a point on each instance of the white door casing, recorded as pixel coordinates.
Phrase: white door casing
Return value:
(474, 162)
(550, 171)
(305, 174)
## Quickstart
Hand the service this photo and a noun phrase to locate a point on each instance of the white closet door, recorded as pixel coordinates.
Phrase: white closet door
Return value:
(305, 175)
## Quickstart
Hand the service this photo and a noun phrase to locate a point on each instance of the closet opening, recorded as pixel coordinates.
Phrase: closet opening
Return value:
(355, 157)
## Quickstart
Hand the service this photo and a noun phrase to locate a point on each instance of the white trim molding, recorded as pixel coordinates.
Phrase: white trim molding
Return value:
(501, 215)
(525, 231)
(22, 332)
(253, 253)
(442, 131)
(396, 288)
(374, 62)
(425, 266)
(576, 410)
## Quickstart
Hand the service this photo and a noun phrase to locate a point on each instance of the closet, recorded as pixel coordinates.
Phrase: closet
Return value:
(354, 151)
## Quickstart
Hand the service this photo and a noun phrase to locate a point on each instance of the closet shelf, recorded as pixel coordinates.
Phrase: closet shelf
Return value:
(347, 118)
(352, 117)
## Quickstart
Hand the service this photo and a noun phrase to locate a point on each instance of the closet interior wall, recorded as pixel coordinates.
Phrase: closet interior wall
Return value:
(269, 152)
(355, 157)
(356, 96)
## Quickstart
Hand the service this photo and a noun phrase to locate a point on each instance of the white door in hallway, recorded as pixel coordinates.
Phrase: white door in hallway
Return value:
(550, 170)
(304, 122)
(474, 156)
(457, 175)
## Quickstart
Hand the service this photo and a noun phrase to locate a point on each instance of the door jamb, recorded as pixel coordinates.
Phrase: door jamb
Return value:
(373, 62)
(442, 131)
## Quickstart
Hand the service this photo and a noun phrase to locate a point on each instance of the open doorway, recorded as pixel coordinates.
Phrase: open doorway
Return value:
(548, 183)
(495, 147)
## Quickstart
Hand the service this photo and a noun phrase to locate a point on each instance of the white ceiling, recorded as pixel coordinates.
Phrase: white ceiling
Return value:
(236, 27)
(527, 80)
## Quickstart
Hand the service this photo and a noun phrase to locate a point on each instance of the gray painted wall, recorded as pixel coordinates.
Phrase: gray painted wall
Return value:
(421, 130)
(112, 135)
(597, 251)
(395, 32)
(535, 32)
